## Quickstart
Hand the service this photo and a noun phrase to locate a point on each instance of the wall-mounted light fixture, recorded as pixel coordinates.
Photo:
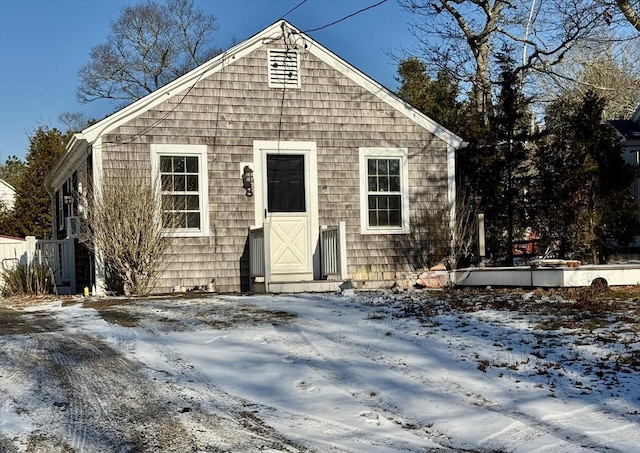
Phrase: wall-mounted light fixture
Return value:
(247, 180)
(67, 199)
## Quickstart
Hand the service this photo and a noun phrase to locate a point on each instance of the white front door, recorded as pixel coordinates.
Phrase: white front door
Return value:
(289, 205)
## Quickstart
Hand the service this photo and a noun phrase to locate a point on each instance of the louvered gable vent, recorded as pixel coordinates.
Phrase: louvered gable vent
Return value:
(284, 71)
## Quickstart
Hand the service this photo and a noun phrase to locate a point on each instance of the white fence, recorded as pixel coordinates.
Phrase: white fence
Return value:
(58, 255)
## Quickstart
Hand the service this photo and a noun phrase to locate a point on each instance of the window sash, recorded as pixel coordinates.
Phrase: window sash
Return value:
(384, 192)
(181, 206)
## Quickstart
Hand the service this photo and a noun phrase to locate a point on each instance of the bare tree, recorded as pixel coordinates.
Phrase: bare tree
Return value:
(612, 73)
(630, 9)
(465, 35)
(150, 45)
(440, 233)
(123, 231)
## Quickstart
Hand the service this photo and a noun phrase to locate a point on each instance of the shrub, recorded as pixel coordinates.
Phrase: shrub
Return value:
(27, 280)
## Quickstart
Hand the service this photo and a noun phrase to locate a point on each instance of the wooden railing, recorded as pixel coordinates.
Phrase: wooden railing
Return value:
(256, 252)
(333, 260)
(58, 255)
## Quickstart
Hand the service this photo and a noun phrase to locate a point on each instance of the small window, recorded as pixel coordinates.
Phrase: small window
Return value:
(183, 188)
(384, 195)
(284, 71)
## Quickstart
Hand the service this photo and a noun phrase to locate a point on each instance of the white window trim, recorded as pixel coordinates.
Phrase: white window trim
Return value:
(377, 153)
(199, 151)
(60, 206)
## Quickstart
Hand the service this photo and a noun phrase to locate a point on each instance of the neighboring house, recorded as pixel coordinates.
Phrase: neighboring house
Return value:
(281, 136)
(629, 132)
(7, 195)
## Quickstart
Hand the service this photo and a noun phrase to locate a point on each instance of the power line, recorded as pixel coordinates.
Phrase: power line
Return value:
(346, 17)
(294, 8)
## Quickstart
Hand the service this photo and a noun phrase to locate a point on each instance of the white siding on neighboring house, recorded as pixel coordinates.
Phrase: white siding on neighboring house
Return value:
(7, 195)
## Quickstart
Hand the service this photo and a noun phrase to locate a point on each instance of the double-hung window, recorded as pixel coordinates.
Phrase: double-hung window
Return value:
(384, 202)
(181, 176)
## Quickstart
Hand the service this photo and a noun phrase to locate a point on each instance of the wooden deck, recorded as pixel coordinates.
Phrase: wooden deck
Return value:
(548, 276)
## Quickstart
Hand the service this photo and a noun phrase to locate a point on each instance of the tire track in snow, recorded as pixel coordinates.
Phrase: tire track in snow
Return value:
(225, 421)
(521, 429)
(357, 388)
(100, 402)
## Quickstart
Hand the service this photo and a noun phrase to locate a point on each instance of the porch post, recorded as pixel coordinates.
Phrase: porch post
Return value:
(267, 255)
(343, 249)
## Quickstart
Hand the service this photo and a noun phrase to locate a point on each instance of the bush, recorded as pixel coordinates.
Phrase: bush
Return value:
(27, 280)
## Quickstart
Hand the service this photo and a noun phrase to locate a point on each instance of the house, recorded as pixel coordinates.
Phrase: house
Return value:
(7, 195)
(282, 149)
(629, 133)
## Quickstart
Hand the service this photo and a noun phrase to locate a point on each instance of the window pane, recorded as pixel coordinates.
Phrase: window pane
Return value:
(394, 184)
(167, 183)
(179, 183)
(192, 164)
(371, 167)
(179, 202)
(165, 164)
(373, 219)
(167, 219)
(394, 167)
(394, 202)
(192, 183)
(167, 203)
(383, 184)
(394, 218)
(193, 202)
(383, 202)
(373, 184)
(178, 165)
(383, 218)
(383, 167)
(193, 220)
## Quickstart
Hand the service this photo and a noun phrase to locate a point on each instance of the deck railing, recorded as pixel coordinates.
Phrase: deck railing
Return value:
(333, 260)
(58, 256)
(256, 252)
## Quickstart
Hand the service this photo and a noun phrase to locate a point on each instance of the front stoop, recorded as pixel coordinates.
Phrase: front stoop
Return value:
(316, 286)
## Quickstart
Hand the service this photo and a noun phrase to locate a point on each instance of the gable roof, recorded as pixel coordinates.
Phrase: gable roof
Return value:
(629, 129)
(276, 31)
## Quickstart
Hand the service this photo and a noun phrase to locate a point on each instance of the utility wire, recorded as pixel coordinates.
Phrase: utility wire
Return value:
(346, 17)
(294, 8)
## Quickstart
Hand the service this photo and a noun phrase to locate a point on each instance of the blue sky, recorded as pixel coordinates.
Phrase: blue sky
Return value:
(43, 44)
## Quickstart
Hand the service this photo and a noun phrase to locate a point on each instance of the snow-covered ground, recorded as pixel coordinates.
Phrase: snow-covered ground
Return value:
(410, 371)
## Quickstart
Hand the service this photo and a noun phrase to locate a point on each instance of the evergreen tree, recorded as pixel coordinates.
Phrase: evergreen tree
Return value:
(32, 212)
(11, 170)
(495, 165)
(582, 188)
(435, 98)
